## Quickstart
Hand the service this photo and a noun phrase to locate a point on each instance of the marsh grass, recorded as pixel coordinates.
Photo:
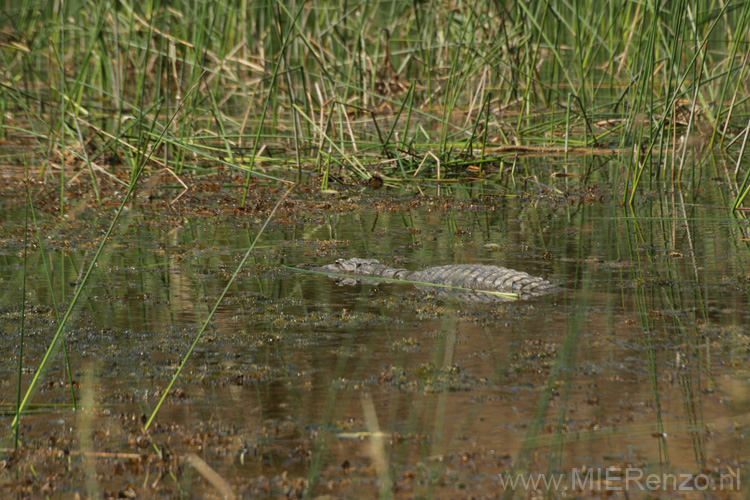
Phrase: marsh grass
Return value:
(291, 88)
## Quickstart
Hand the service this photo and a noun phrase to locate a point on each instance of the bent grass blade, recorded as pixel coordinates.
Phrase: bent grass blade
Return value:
(213, 311)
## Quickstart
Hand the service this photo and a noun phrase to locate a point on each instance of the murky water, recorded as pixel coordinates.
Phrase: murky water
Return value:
(640, 364)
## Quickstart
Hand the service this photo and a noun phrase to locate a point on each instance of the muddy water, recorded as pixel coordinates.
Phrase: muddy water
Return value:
(638, 366)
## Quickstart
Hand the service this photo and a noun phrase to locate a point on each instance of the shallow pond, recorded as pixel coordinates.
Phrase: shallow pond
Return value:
(303, 386)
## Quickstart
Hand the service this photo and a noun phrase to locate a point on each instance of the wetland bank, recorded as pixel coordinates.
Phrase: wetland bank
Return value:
(168, 171)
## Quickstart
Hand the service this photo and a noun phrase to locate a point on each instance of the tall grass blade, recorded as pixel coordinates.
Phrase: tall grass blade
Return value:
(19, 407)
(213, 311)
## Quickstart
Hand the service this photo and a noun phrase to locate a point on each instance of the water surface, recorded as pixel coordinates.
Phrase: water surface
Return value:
(640, 362)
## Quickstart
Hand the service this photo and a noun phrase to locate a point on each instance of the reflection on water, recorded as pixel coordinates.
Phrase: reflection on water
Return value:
(640, 362)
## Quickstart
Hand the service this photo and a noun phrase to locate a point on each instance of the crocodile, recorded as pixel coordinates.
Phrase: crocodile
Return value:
(463, 281)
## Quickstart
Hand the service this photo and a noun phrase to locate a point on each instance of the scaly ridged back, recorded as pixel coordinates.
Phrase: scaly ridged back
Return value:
(482, 277)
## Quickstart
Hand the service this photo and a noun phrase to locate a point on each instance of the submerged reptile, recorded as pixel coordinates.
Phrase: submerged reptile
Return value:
(464, 281)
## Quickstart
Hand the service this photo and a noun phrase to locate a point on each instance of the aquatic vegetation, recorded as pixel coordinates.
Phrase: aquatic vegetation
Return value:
(384, 93)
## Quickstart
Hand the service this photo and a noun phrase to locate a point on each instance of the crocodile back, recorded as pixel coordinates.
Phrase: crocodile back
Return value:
(483, 277)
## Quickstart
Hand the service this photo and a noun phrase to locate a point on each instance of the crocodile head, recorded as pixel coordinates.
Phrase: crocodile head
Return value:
(357, 267)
